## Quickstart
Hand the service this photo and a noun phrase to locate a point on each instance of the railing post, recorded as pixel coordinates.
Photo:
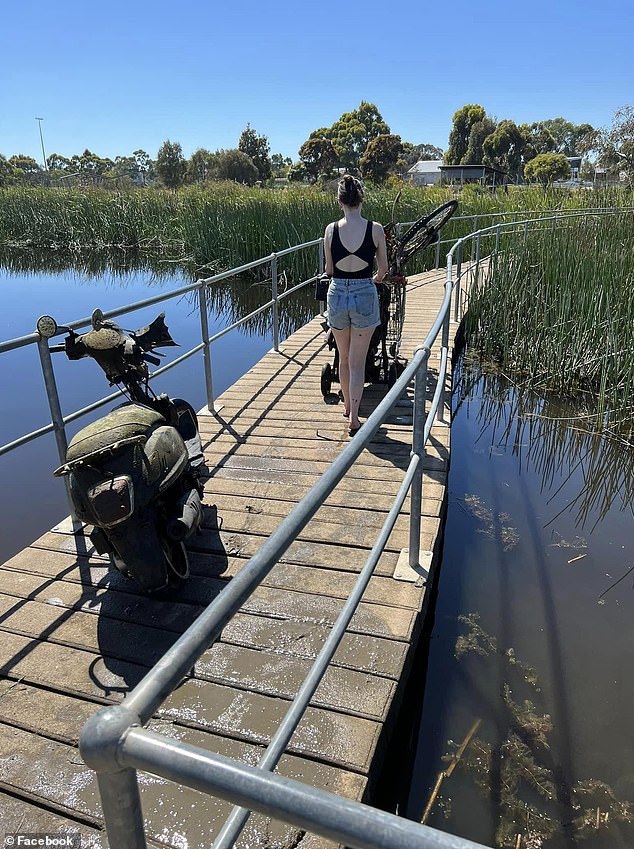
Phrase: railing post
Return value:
(276, 317)
(418, 448)
(497, 239)
(437, 260)
(477, 261)
(121, 804)
(99, 743)
(204, 326)
(456, 316)
(57, 417)
(525, 231)
(440, 413)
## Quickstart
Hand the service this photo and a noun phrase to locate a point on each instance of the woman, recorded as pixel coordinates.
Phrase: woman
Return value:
(350, 246)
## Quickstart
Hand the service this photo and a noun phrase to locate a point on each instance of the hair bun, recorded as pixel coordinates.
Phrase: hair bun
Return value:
(350, 191)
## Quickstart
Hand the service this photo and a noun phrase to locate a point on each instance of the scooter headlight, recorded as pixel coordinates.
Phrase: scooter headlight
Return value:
(112, 500)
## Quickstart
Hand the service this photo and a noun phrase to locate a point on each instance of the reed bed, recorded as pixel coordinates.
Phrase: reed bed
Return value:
(225, 225)
(555, 314)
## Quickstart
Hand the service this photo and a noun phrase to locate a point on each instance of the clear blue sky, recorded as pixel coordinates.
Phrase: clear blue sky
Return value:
(118, 76)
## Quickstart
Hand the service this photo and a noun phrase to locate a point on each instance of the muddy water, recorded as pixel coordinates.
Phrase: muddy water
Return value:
(528, 700)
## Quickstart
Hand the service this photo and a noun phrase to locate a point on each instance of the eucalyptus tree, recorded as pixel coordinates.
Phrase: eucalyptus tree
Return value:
(413, 153)
(352, 133)
(569, 138)
(170, 164)
(200, 166)
(538, 139)
(616, 144)
(57, 162)
(258, 150)
(90, 165)
(504, 148)
(470, 128)
(24, 166)
(380, 158)
(280, 164)
(319, 157)
(144, 165)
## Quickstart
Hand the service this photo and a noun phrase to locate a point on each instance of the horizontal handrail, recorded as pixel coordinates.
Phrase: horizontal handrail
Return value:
(113, 744)
(158, 683)
(34, 338)
(30, 338)
(333, 817)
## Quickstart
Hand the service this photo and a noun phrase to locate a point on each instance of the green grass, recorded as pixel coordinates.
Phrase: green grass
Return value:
(556, 313)
(226, 225)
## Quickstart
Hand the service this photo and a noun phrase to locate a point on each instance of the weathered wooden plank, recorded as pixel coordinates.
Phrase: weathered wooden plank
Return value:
(54, 773)
(76, 634)
(336, 738)
(345, 558)
(106, 666)
(18, 812)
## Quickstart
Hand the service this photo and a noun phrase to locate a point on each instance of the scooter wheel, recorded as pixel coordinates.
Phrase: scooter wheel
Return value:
(326, 379)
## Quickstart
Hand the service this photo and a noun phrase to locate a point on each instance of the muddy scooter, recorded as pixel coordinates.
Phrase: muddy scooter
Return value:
(134, 474)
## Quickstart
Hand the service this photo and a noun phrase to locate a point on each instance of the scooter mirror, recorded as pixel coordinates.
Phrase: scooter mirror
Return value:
(97, 319)
(46, 326)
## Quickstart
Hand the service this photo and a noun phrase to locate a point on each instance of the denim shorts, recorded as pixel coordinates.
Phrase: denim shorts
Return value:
(353, 303)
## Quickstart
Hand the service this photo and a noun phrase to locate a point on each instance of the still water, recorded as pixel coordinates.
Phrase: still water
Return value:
(528, 699)
(31, 500)
(525, 738)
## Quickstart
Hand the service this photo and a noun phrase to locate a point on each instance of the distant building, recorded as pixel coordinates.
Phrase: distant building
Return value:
(485, 175)
(426, 172)
(575, 166)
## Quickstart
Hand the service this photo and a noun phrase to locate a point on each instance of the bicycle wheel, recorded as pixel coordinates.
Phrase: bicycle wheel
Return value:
(425, 231)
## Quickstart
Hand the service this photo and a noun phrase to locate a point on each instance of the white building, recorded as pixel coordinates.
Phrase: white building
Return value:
(424, 172)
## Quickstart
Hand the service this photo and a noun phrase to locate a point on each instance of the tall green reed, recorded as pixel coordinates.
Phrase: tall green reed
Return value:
(225, 224)
(555, 313)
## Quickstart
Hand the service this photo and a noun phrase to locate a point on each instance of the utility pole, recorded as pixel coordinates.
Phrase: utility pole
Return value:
(42, 142)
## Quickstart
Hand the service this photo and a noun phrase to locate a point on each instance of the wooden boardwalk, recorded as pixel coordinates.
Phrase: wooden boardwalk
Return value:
(75, 636)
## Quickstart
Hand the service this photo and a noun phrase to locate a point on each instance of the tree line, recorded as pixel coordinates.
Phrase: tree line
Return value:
(360, 142)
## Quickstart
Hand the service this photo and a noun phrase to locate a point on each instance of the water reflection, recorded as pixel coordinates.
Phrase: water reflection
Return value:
(93, 263)
(524, 740)
(69, 286)
(555, 436)
(232, 299)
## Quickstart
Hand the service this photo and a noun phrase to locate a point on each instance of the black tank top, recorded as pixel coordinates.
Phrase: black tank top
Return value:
(366, 252)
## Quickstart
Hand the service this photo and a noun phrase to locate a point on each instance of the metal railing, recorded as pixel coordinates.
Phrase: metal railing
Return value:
(116, 745)
(114, 742)
(59, 421)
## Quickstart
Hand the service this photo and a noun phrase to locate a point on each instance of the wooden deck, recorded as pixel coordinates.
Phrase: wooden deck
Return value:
(75, 635)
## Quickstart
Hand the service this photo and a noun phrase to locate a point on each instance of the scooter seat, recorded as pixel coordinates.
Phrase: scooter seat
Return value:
(124, 424)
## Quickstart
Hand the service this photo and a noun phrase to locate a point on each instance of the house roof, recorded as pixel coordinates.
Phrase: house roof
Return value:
(488, 168)
(426, 166)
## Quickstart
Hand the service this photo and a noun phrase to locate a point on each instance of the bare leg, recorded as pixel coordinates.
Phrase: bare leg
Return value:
(342, 338)
(359, 344)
